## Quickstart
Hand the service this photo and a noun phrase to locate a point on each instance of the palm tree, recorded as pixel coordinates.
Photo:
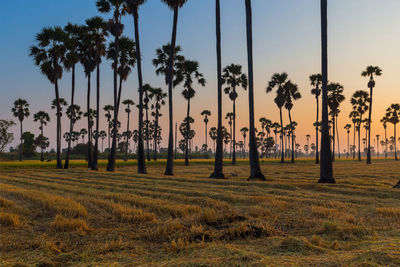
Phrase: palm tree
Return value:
(392, 114)
(255, 170)
(354, 119)
(384, 122)
(291, 94)
(146, 89)
(73, 32)
(102, 135)
(347, 127)
(20, 111)
(213, 135)
(43, 118)
(326, 170)
(335, 97)
(229, 117)
(359, 101)
(174, 5)
(276, 126)
(90, 115)
(316, 82)
(233, 77)
(308, 137)
(370, 72)
(132, 7)
(278, 81)
(190, 73)
(244, 132)
(128, 103)
(158, 95)
(116, 28)
(108, 109)
(377, 144)
(206, 114)
(48, 54)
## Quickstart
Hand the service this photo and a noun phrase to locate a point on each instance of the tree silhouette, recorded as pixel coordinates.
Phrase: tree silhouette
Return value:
(48, 54)
(335, 98)
(316, 82)
(174, 5)
(213, 135)
(20, 111)
(108, 109)
(43, 118)
(158, 96)
(347, 127)
(359, 101)
(128, 103)
(384, 122)
(206, 114)
(370, 72)
(233, 77)
(392, 114)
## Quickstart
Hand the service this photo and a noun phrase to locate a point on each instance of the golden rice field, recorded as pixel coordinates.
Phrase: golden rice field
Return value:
(74, 217)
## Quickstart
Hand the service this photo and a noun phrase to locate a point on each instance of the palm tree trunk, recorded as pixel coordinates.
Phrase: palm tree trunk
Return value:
(293, 148)
(187, 134)
(147, 132)
(156, 134)
(41, 147)
(326, 170)
(395, 146)
(59, 163)
(169, 170)
(337, 137)
(71, 123)
(89, 153)
(234, 134)
(20, 139)
(255, 170)
(96, 138)
(359, 141)
(369, 127)
(282, 148)
(140, 148)
(111, 157)
(333, 137)
(127, 140)
(354, 141)
(385, 144)
(219, 153)
(348, 144)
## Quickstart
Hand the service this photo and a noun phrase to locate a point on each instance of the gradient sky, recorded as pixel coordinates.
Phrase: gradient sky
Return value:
(286, 38)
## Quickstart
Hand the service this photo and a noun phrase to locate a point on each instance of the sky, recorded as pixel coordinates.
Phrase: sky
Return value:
(286, 37)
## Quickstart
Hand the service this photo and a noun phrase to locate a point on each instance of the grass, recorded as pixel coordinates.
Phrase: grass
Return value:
(80, 218)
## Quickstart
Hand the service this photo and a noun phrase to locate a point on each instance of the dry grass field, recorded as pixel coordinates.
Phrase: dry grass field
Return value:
(54, 217)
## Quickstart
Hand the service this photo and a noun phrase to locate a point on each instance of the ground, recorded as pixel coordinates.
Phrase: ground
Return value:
(74, 217)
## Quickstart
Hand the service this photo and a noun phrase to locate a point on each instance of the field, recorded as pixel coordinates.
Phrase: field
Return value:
(79, 218)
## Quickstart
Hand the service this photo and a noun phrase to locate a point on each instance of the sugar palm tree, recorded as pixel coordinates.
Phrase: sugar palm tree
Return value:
(354, 119)
(384, 122)
(244, 132)
(48, 54)
(219, 152)
(206, 114)
(370, 72)
(335, 98)
(190, 73)
(255, 170)
(326, 170)
(43, 118)
(116, 28)
(276, 126)
(277, 82)
(108, 109)
(102, 136)
(347, 127)
(213, 135)
(20, 111)
(229, 118)
(73, 32)
(377, 144)
(90, 115)
(83, 132)
(291, 94)
(316, 82)
(158, 96)
(233, 77)
(393, 115)
(173, 5)
(128, 103)
(359, 101)
(146, 89)
(132, 7)
(62, 103)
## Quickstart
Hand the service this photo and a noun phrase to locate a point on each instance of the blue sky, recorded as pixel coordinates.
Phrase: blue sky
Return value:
(286, 38)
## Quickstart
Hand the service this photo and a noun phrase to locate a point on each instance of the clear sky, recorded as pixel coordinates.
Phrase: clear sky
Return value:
(286, 38)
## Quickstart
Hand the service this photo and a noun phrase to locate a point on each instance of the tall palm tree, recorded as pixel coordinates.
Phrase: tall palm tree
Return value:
(377, 144)
(102, 135)
(393, 117)
(213, 135)
(127, 59)
(146, 89)
(316, 82)
(219, 152)
(244, 132)
(233, 77)
(128, 103)
(73, 32)
(291, 94)
(43, 118)
(326, 170)
(48, 54)
(229, 117)
(108, 109)
(174, 5)
(384, 122)
(347, 127)
(158, 96)
(359, 101)
(354, 119)
(190, 73)
(132, 7)
(20, 111)
(278, 81)
(276, 126)
(370, 72)
(206, 114)
(116, 28)
(255, 170)
(90, 115)
(335, 98)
